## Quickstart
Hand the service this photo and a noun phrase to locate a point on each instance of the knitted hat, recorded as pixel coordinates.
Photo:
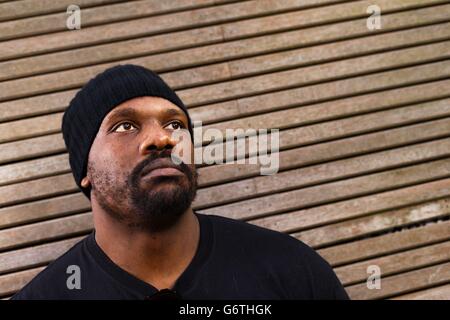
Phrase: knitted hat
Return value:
(86, 111)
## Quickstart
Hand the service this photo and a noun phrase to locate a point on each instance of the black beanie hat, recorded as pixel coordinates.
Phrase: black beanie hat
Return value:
(86, 111)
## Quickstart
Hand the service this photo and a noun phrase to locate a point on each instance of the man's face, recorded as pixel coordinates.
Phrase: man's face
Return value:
(134, 138)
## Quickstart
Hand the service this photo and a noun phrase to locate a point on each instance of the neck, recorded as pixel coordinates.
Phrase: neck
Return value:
(156, 258)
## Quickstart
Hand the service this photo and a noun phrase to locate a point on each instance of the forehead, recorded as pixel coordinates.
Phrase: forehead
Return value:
(143, 107)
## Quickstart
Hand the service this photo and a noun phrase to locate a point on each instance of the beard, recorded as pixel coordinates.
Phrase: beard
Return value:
(154, 204)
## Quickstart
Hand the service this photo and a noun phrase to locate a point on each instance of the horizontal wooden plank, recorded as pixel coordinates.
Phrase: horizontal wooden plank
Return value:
(423, 209)
(357, 207)
(280, 120)
(36, 105)
(311, 17)
(22, 149)
(31, 169)
(49, 186)
(335, 128)
(200, 75)
(295, 157)
(403, 283)
(32, 147)
(334, 191)
(27, 8)
(322, 173)
(46, 124)
(43, 209)
(229, 50)
(310, 75)
(259, 103)
(30, 127)
(30, 257)
(289, 138)
(263, 102)
(345, 273)
(386, 244)
(436, 293)
(203, 75)
(242, 189)
(97, 15)
(51, 123)
(45, 231)
(90, 55)
(396, 263)
(351, 229)
(315, 133)
(183, 20)
(302, 156)
(305, 184)
(228, 172)
(302, 197)
(10, 283)
(337, 50)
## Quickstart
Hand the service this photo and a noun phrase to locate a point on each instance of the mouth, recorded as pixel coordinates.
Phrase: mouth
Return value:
(161, 168)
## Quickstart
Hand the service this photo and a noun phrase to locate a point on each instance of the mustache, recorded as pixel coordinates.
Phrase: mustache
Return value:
(161, 155)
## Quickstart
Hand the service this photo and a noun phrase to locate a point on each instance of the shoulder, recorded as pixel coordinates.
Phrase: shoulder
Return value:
(296, 263)
(253, 236)
(51, 283)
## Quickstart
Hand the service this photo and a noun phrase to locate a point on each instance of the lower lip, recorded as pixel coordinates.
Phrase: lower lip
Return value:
(164, 172)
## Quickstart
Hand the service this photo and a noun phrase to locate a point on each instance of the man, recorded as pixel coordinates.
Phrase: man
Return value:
(148, 243)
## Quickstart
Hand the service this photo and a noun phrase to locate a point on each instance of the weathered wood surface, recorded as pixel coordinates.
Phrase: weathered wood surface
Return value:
(364, 119)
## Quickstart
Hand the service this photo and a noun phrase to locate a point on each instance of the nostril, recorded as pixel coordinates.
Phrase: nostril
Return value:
(156, 147)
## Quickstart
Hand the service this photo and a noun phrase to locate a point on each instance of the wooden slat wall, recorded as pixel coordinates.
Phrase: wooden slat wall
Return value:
(364, 119)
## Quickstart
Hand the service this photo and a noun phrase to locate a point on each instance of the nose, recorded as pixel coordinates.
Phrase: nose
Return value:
(156, 138)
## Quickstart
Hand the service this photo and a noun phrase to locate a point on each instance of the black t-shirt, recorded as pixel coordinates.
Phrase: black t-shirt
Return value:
(234, 260)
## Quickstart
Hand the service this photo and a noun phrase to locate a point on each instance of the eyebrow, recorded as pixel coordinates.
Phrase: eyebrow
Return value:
(131, 113)
(173, 112)
(123, 113)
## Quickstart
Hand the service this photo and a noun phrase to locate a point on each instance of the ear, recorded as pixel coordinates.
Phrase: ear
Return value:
(85, 183)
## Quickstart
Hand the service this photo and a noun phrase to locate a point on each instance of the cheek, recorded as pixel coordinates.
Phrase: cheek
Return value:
(185, 151)
(110, 165)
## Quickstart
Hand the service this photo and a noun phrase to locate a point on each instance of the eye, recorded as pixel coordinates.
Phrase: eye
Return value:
(125, 125)
(176, 125)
